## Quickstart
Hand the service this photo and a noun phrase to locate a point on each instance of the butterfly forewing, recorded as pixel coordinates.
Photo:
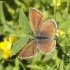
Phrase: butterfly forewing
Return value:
(36, 19)
(49, 28)
(28, 51)
(46, 46)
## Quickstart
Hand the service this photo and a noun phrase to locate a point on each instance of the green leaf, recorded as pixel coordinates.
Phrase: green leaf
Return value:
(3, 20)
(24, 22)
(58, 62)
(61, 65)
(49, 56)
(64, 25)
(18, 33)
(59, 17)
(1, 54)
(36, 67)
(19, 44)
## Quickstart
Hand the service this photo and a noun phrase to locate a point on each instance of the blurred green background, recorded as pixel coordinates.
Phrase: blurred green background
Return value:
(14, 16)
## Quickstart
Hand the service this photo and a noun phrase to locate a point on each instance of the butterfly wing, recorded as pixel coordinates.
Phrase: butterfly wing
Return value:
(46, 47)
(28, 51)
(49, 28)
(36, 19)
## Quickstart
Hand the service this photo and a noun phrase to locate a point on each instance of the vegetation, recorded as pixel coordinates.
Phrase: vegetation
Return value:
(15, 34)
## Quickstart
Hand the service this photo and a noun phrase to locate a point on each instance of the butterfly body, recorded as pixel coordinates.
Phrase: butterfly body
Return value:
(44, 35)
(38, 38)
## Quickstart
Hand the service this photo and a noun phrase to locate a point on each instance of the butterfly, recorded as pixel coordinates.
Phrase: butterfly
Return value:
(44, 35)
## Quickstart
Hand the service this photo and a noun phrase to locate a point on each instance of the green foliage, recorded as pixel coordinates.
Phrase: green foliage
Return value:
(14, 20)
(24, 22)
(3, 21)
(19, 44)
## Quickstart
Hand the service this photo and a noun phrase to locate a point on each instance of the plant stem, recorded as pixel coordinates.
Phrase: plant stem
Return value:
(22, 65)
(55, 7)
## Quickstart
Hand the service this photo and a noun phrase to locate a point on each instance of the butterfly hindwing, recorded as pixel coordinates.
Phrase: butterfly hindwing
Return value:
(28, 51)
(46, 46)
